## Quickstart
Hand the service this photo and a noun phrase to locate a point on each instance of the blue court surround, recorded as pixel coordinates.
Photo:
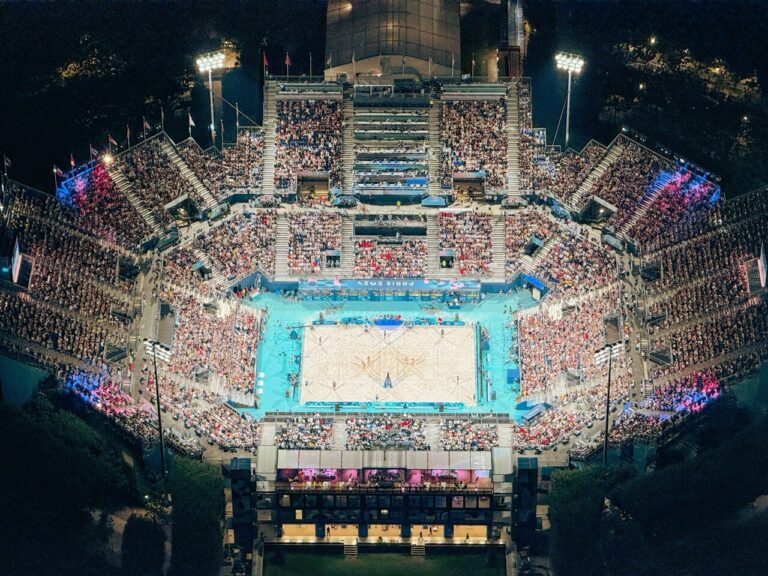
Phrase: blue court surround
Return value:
(281, 347)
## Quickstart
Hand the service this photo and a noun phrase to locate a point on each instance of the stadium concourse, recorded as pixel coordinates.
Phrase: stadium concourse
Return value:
(434, 229)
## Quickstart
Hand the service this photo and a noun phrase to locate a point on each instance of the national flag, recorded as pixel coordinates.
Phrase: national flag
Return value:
(57, 172)
(353, 57)
(146, 124)
(329, 61)
(7, 161)
(287, 59)
(191, 122)
(162, 115)
(264, 60)
(128, 132)
(71, 159)
(111, 140)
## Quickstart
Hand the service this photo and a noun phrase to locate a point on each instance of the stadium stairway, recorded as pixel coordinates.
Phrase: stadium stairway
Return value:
(432, 434)
(435, 148)
(513, 141)
(646, 202)
(433, 250)
(216, 276)
(528, 263)
(584, 188)
(281, 247)
(270, 111)
(348, 146)
(126, 189)
(267, 434)
(200, 190)
(339, 434)
(347, 268)
(505, 434)
(499, 248)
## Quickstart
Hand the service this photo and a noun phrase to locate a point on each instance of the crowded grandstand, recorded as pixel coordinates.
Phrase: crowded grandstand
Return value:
(442, 213)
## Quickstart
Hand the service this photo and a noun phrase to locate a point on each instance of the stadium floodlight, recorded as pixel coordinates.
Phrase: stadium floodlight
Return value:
(156, 349)
(208, 63)
(571, 63)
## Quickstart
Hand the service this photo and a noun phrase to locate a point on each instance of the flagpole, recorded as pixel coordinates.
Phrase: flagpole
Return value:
(5, 165)
(453, 62)
(222, 133)
(237, 115)
(128, 134)
(55, 180)
(162, 119)
(310, 64)
(143, 128)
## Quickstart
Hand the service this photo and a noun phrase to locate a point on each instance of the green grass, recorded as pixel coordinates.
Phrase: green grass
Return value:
(384, 564)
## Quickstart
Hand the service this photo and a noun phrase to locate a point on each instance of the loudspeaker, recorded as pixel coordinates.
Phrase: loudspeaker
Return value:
(242, 511)
(526, 484)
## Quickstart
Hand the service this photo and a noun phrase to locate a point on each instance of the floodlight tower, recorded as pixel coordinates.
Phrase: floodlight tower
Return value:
(208, 63)
(571, 63)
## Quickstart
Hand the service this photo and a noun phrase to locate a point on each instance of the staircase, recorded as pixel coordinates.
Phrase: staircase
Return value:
(432, 435)
(499, 248)
(339, 434)
(348, 146)
(584, 188)
(350, 548)
(281, 247)
(200, 191)
(645, 202)
(434, 271)
(126, 189)
(267, 434)
(418, 549)
(347, 267)
(505, 435)
(217, 277)
(528, 263)
(270, 111)
(513, 141)
(435, 148)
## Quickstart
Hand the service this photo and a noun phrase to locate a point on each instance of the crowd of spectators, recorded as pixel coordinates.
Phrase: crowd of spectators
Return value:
(26, 318)
(629, 179)
(308, 137)
(204, 412)
(375, 259)
(235, 167)
(474, 138)
(700, 299)
(386, 431)
(242, 244)
(177, 270)
(468, 234)
(576, 265)
(77, 293)
(684, 198)
(305, 433)
(467, 435)
(155, 180)
(520, 229)
(101, 209)
(311, 234)
(551, 345)
(737, 328)
(222, 341)
(565, 171)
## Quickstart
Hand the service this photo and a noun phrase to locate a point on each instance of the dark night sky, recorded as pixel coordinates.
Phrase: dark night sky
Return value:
(135, 56)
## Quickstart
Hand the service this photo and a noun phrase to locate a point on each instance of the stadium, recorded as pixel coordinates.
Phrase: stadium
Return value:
(393, 306)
